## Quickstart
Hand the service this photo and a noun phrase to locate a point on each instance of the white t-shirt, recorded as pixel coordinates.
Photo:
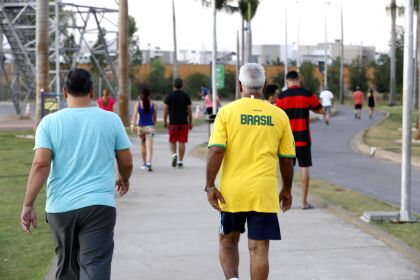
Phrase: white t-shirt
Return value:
(326, 97)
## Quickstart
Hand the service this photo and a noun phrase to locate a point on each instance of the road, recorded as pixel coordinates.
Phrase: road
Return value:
(335, 161)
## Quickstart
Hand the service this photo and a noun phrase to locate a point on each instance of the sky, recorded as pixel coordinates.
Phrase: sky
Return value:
(365, 22)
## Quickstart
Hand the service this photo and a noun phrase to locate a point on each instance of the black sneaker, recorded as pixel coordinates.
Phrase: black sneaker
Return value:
(174, 160)
(149, 167)
(180, 165)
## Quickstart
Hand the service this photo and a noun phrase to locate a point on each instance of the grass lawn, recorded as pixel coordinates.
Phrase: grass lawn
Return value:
(357, 203)
(21, 256)
(388, 132)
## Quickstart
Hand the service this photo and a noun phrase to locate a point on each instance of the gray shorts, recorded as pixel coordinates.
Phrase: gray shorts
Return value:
(84, 242)
(327, 109)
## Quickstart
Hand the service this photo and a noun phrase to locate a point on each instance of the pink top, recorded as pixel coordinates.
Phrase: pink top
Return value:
(109, 106)
(208, 101)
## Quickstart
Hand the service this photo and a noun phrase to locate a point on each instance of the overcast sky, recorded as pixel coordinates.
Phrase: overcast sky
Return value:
(365, 22)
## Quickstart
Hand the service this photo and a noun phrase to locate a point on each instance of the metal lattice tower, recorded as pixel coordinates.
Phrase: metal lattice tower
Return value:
(73, 25)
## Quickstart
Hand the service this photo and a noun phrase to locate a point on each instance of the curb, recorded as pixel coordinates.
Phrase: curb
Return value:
(358, 144)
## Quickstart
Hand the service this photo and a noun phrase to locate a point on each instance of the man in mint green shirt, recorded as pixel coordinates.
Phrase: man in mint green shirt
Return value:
(76, 149)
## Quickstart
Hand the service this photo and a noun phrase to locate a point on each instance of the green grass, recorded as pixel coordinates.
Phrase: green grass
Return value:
(357, 203)
(386, 134)
(21, 256)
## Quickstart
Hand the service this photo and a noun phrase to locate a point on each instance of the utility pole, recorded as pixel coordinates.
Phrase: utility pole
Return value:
(175, 55)
(342, 57)
(42, 16)
(123, 61)
(238, 63)
(57, 52)
(214, 59)
(325, 49)
(405, 209)
(285, 47)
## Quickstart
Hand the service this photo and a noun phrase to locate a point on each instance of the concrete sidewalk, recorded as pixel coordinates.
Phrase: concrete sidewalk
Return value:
(166, 230)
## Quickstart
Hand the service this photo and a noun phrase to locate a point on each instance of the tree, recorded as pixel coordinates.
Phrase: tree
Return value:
(309, 81)
(358, 75)
(393, 8)
(156, 80)
(230, 83)
(381, 74)
(193, 84)
(278, 79)
(248, 9)
(334, 76)
(97, 51)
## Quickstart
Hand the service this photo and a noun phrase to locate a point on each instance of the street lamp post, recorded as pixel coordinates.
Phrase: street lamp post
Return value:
(326, 49)
(214, 59)
(285, 47)
(342, 58)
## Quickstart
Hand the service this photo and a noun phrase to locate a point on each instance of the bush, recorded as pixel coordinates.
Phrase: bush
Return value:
(192, 84)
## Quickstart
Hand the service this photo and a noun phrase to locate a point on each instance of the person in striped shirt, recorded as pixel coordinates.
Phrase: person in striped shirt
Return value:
(297, 102)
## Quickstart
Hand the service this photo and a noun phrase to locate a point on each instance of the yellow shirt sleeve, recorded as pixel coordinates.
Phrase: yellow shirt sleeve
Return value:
(287, 141)
(218, 137)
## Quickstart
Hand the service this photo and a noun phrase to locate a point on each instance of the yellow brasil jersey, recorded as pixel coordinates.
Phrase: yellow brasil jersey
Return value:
(254, 133)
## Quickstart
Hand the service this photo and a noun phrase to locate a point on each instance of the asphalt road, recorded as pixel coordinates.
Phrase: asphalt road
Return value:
(335, 161)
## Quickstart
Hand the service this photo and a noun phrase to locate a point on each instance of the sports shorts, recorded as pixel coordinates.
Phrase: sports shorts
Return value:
(358, 106)
(178, 133)
(327, 109)
(304, 156)
(261, 226)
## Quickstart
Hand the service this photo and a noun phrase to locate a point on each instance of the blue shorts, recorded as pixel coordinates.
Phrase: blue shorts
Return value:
(261, 226)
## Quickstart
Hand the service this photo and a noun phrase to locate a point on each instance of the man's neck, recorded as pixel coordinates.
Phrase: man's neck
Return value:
(79, 102)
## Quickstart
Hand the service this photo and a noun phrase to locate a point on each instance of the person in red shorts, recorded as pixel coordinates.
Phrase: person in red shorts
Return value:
(178, 107)
(297, 102)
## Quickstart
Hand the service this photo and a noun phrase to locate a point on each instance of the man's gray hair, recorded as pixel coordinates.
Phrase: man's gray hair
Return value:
(252, 76)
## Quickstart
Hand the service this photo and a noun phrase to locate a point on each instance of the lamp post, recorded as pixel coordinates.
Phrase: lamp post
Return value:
(298, 40)
(285, 47)
(326, 49)
(214, 59)
(342, 58)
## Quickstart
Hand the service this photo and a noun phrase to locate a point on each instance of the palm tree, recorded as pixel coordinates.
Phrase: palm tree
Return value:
(123, 61)
(42, 16)
(393, 8)
(248, 8)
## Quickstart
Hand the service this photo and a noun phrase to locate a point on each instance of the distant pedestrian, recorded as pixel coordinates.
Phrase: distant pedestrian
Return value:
(204, 91)
(371, 102)
(271, 92)
(178, 108)
(144, 117)
(76, 148)
(327, 101)
(358, 96)
(106, 102)
(297, 102)
(252, 138)
(208, 104)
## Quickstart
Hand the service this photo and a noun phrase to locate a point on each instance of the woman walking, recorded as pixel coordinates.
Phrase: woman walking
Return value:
(144, 115)
(371, 103)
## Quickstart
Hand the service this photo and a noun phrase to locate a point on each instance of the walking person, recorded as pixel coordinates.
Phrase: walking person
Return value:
(75, 148)
(208, 104)
(358, 96)
(270, 93)
(249, 136)
(371, 102)
(327, 101)
(106, 102)
(178, 108)
(145, 115)
(297, 102)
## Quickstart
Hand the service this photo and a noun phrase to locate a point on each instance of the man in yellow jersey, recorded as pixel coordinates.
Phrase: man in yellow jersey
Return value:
(249, 136)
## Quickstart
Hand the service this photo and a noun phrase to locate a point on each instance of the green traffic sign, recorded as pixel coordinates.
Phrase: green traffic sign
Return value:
(220, 76)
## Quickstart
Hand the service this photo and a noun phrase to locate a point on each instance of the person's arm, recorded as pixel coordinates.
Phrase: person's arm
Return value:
(286, 170)
(125, 168)
(190, 119)
(40, 170)
(214, 161)
(134, 118)
(165, 115)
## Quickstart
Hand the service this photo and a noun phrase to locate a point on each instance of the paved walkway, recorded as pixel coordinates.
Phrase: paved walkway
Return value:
(335, 161)
(166, 230)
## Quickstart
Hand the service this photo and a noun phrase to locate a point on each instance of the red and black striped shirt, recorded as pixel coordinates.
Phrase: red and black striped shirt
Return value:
(296, 102)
